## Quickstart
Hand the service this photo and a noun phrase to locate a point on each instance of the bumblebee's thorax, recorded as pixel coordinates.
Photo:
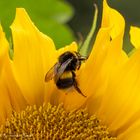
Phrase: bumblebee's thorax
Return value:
(67, 55)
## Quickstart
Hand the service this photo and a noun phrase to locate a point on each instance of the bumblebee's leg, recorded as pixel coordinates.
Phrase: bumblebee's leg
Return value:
(82, 58)
(78, 89)
(79, 64)
(76, 85)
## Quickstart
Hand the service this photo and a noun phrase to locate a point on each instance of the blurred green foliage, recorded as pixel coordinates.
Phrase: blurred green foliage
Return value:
(84, 14)
(50, 16)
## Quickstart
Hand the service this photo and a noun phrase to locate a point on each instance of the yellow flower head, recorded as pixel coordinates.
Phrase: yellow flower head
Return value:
(108, 78)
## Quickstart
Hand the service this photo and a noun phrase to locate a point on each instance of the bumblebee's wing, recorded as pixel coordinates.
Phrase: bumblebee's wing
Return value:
(51, 73)
(62, 68)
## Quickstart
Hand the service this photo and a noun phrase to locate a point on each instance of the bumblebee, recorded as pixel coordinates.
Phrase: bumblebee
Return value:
(63, 72)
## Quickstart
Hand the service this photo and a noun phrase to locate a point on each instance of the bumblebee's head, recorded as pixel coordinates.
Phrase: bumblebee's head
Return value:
(69, 55)
(65, 56)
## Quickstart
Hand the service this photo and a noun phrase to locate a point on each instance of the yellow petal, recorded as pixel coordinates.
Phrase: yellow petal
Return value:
(135, 36)
(5, 106)
(120, 105)
(10, 95)
(90, 74)
(17, 99)
(33, 55)
(106, 57)
(3, 48)
(132, 133)
(112, 18)
(72, 47)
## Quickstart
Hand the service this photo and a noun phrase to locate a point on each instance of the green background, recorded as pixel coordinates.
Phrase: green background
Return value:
(62, 20)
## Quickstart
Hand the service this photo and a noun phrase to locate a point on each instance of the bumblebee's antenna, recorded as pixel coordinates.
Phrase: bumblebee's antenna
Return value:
(84, 48)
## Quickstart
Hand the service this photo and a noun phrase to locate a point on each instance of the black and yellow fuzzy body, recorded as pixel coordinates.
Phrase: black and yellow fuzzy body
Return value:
(66, 80)
(63, 71)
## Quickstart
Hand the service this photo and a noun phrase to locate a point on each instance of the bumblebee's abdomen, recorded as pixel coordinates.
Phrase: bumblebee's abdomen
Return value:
(65, 81)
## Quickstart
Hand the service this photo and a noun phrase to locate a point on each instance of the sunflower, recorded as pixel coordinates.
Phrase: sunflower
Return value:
(33, 109)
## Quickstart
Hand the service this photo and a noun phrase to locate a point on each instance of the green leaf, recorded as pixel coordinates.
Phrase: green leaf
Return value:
(49, 16)
(57, 10)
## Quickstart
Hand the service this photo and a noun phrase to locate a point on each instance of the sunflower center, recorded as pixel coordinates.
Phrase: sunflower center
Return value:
(53, 122)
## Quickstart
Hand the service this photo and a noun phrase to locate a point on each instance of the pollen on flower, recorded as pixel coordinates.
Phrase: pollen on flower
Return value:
(54, 123)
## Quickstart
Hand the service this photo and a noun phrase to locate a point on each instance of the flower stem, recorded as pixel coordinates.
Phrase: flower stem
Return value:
(85, 47)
